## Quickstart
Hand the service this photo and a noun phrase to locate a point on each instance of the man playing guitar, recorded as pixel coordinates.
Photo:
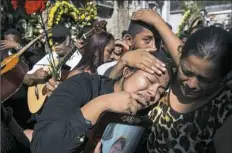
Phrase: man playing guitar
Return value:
(64, 48)
(63, 44)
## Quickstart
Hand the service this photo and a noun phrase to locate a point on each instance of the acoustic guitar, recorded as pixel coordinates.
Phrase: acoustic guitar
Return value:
(37, 94)
(13, 71)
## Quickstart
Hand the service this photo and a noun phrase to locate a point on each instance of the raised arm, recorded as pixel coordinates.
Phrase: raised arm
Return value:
(171, 41)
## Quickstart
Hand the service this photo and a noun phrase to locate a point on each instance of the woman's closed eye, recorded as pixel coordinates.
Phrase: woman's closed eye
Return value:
(110, 51)
(206, 80)
(187, 73)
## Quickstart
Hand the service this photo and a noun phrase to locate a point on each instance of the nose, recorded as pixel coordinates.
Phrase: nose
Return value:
(112, 57)
(56, 44)
(192, 83)
(152, 90)
(153, 46)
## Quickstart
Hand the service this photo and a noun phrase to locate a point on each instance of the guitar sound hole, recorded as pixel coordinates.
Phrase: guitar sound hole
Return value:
(44, 91)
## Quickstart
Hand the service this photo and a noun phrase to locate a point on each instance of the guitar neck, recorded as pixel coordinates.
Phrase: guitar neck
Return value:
(29, 45)
(21, 51)
(86, 35)
(65, 58)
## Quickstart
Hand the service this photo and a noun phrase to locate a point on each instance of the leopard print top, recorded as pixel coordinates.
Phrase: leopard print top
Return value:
(173, 132)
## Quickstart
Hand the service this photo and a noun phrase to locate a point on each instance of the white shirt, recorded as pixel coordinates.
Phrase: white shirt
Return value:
(44, 62)
(104, 67)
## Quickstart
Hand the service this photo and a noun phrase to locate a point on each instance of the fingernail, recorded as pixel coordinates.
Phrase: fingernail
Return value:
(56, 86)
(163, 64)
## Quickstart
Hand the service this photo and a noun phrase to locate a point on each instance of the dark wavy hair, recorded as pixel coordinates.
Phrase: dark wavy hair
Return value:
(136, 27)
(213, 44)
(93, 54)
(17, 34)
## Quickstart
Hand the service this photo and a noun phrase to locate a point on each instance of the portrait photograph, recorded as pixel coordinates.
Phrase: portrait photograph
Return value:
(121, 138)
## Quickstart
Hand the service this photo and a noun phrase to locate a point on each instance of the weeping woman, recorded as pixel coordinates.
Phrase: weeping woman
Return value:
(195, 115)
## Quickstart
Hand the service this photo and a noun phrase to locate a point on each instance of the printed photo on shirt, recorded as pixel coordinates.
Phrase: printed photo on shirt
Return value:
(121, 138)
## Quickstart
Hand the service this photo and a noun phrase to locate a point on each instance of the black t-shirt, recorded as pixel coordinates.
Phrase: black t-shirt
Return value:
(13, 140)
(61, 125)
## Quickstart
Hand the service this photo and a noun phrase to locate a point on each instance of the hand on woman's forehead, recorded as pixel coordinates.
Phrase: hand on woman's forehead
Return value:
(162, 79)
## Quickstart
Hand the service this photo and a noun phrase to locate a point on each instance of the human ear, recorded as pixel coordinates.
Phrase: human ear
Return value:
(128, 39)
(127, 72)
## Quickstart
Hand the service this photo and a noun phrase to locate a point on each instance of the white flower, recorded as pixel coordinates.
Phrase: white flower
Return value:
(40, 30)
(73, 27)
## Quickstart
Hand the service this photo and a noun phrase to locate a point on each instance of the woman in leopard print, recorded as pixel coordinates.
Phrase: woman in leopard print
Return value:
(190, 132)
(195, 115)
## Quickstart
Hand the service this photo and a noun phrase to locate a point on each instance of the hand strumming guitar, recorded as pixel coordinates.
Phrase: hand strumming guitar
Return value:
(40, 75)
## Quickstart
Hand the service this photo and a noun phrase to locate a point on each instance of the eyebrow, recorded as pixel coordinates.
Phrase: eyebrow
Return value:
(162, 86)
(149, 36)
(186, 70)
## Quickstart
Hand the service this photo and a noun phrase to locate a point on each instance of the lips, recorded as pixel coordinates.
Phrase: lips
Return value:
(146, 98)
(189, 92)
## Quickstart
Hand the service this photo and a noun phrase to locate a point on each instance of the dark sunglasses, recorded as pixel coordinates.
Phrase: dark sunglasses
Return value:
(58, 40)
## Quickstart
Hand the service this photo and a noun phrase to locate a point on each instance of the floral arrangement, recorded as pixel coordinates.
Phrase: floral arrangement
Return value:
(190, 8)
(80, 17)
(183, 22)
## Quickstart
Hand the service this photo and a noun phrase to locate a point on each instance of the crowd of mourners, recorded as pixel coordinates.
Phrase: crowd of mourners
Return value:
(184, 84)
